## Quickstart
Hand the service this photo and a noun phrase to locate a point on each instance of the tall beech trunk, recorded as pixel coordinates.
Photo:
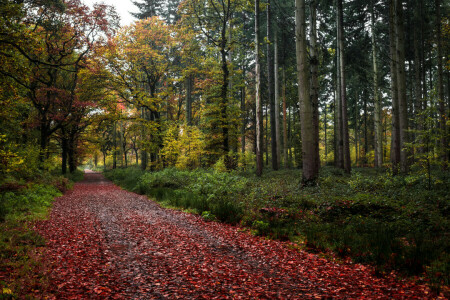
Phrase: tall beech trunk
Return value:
(339, 151)
(310, 171)
(273, 137)
(401, 83)
(395, 139)
(277, 100)
(342, 90)
(440, 88)
(259, 116)
(243, 116)
(417, 74)
(378, 134)
(285, 133)
(314, 88)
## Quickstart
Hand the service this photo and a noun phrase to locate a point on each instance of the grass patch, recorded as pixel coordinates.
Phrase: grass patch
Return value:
(22, 269)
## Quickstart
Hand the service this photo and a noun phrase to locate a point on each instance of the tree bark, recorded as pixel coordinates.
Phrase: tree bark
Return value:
(378, 134)
(314, 88)
(440, 89)
(277, 100)
(285, 135)
(401, 82)
(270, 72)
(259, 117)
(343, 92)
(309, 165)
(395, 135)
(339, 152)
(417, 75)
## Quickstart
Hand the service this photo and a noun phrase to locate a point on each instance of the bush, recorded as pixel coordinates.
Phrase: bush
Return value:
(126, 177)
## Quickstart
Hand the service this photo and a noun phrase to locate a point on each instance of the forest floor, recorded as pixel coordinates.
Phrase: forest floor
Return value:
(105, 242)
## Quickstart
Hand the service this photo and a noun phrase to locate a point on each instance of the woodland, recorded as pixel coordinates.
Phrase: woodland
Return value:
(319, 122)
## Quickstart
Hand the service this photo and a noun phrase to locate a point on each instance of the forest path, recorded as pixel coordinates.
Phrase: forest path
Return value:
(107, 243)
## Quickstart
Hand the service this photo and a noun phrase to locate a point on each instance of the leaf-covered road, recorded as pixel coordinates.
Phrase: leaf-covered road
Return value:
(104, 242)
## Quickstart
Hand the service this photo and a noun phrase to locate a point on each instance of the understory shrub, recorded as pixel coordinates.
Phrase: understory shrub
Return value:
(35, 197)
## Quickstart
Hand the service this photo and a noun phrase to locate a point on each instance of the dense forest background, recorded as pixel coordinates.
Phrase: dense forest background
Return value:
(200, 83)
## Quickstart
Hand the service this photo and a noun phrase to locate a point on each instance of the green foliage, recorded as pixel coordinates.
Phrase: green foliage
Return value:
(208, 216)
(35, 199)
(128, 177)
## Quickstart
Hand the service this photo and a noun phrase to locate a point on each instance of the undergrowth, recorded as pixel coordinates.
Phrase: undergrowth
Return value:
(23, 202)
(392, 222)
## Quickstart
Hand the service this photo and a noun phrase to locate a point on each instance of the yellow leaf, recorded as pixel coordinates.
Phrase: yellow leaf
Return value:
(6, 291)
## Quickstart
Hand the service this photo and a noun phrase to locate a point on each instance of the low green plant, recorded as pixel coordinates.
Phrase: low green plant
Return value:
(208, 216)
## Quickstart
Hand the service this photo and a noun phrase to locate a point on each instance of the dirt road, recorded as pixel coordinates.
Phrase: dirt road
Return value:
(107, 243)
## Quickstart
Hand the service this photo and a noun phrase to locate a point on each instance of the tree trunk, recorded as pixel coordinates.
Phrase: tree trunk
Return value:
(309, 163)
(343, 92)
(64, 149)
(378, 134)
(270, 72)
(285, 136)
(259, 116)
(440, 89)
(339, 151)
(277, 100)
(417, 76)
(144, 157)
(115, 146)
(395, 139)
(314, 88)
(243, 116)
(401, 82)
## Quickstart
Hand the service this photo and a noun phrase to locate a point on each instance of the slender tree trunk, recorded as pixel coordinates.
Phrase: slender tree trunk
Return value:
(270, 73)
(144, 156)
(401, 82)
(71, 153)
(325, 128)
(417, 75)
(259, 117)
(378, 141)
(366, 138)
(224, 95)
(122, 150)
(64, 148)
(356, 130)
(266, 144)
(277, 100)
(339, 151)
(343, 92)
(310, 170)
(314, 88)
(114, 145)
(440, 88)
(395, 136)
(243, 116)
(336, 127)
(290, 136)
(285, 136)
